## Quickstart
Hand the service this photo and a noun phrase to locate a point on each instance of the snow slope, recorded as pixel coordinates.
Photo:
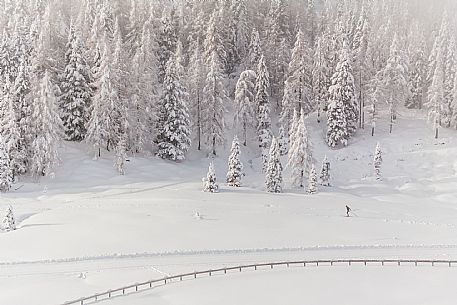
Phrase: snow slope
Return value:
(88, 230)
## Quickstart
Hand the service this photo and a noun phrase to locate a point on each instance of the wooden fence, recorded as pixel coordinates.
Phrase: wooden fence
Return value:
(194, 275)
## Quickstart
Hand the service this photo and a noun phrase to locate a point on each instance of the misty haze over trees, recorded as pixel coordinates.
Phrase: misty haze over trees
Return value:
(166, 77)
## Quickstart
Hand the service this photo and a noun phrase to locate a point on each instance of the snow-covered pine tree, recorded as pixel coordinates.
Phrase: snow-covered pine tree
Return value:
(213, 108)
(196, 83)
(454, 105)
(298, 86)
(255, 51)
(104, 123)
(283, 141)
(273, 179)
(262, 100)
(418, 75)
(377, 162)
(121, 154)
(277, 30)
(23, 104)
(245, 103)
(325, 172)
(75, 87)
(9, 221)
(450, 62)
(321, 80)
(173, 137)
(209, 183)
(9, 130)
(436, 93)
(240, 17)
(235, 171)
(300, 152)
(312, 181)
(168, 40)
(393, 80)
(143, 92)
(47, 130)
(214, 42)
(6, 172)
(342, 112)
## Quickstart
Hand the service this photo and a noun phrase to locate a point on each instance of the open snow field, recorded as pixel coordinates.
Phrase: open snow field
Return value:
(89, 230)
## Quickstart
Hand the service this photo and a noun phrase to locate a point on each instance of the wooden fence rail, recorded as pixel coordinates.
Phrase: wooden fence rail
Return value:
(193, 275)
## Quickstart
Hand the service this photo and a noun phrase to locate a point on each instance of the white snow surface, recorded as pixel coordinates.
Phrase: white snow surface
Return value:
(87, 229)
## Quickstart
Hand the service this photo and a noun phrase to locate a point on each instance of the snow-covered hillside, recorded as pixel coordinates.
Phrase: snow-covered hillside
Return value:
(88, 229)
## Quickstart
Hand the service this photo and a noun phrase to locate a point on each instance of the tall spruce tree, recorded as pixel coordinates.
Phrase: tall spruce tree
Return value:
(47, 128)
(214, 96)
(173, 138)
(245, 103)
(298, 86)
(300, 152)
(342, 113)
(75, 87)
(262, 100)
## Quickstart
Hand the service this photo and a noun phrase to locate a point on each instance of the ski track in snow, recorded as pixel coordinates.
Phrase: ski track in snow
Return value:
(225, 252)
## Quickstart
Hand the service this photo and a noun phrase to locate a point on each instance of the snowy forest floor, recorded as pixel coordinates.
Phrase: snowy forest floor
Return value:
(87, 230)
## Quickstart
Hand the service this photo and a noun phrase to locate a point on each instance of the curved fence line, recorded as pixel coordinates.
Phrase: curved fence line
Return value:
(194, 275)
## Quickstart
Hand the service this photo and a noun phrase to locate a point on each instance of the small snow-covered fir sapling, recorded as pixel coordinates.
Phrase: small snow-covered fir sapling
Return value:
(325, 172)
(235, 171)
(273, 180)
(312, 181)
(377, 162)
(6, 172)
(209, 183)
(9, 221)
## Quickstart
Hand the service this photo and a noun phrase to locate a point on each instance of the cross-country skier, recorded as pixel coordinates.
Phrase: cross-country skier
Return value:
(348, 209)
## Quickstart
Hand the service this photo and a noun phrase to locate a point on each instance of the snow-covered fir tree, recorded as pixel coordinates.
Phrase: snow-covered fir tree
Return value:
(9, 221)
(47, 130)
(435, 102)
(104, 123)
(321, 80)
(173, 137)
(245, 104)
(273, 179)
(283, 141)
(312, 181)
(393, 80)
(418, 75)
(300, 152)
(377, 162)
(10, 132)
(235, 171)
(325, 172)
(121, 154)
(75, 87)
(255, 51)
(450, 62)
(298, 86)
(342, 112)
(214, 97)
(262, 100)
(167, 39)
(6, 172)
(209, 183)
(196, 82)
